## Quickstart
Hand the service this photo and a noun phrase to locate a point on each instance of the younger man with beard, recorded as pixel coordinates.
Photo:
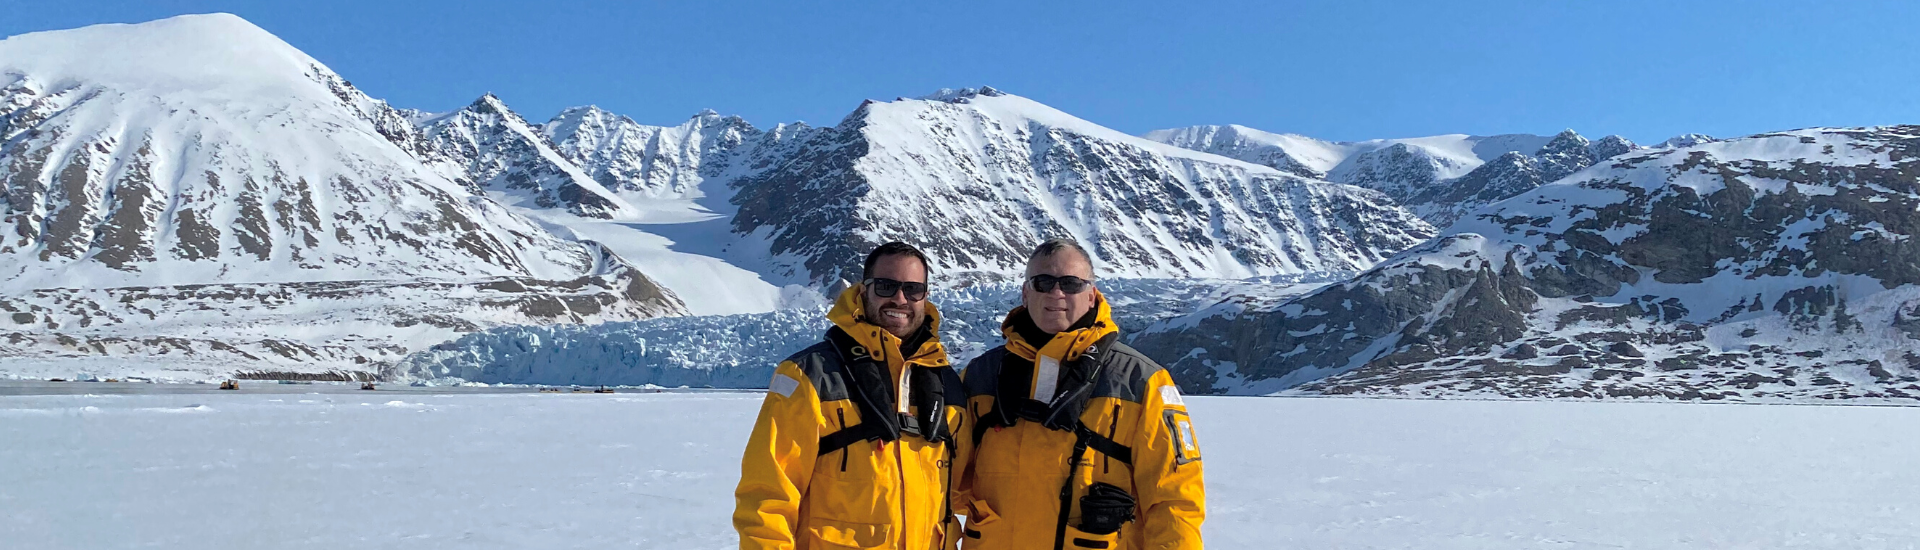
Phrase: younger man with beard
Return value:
(854, 442)
(1078, 441)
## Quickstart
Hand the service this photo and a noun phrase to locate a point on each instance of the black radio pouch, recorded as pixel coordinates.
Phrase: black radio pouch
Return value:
(1104, 508)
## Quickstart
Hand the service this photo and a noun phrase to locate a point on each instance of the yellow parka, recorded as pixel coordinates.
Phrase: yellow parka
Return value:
(1013, 476)
(871, 493)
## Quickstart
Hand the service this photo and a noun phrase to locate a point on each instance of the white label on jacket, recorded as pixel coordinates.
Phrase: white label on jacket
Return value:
(1046, 379)
(1170, 395)
(906, 389)
(783, 385)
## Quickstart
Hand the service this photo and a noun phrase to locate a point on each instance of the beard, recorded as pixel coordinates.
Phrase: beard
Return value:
(899, 320)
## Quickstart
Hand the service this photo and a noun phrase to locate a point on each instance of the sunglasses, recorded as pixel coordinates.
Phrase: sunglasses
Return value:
(886, 288)
(1068, 284)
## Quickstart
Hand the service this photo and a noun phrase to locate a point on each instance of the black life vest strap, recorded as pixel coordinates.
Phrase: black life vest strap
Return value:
(871, 390)
(847, 437)
(1086, 371)
(1107, 446)
(1080, 445)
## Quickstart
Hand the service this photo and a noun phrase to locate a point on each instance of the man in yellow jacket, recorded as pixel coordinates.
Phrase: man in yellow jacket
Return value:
(854, 441)
(1079, 441)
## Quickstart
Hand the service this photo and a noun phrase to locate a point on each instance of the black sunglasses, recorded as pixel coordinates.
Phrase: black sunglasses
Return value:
(1068, 284)
(886, 288)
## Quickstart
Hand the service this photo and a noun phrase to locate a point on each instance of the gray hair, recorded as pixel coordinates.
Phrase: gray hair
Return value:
(1053, 246)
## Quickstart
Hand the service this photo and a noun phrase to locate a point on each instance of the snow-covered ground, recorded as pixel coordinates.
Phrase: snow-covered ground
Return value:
(268, 467)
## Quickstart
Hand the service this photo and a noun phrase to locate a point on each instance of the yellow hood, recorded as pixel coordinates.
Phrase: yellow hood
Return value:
(1067, 345)
(849, 313)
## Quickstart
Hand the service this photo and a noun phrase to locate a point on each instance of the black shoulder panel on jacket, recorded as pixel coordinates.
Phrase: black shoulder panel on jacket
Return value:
(822, 364)
(983, 373)
(955, 389)
(1126, 374)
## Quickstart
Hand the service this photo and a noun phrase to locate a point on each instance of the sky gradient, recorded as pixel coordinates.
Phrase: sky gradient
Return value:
(1333, 70)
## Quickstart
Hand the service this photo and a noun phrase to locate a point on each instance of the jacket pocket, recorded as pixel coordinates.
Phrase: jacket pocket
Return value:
(980, 527)
(1082, 539)
(828, 533)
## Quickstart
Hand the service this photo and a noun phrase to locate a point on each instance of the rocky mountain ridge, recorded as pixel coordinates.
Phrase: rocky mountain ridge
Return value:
(1440, 178)
(207, 154)
(979, 176)
(1773, 266)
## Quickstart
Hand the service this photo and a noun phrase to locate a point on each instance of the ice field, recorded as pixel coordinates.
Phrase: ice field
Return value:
(272, 467)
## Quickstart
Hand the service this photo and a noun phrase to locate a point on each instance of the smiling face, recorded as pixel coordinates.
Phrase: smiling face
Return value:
(896, 314)
(1056, 311)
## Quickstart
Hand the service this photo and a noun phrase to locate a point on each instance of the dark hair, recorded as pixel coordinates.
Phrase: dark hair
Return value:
(895, 248)
(1054, 245)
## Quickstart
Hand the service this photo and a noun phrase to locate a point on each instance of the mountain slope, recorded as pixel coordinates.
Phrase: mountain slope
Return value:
(490, 145)
(977, 177)
(1779, 265)
(663, 162)
(1440, 178)
(202, 150)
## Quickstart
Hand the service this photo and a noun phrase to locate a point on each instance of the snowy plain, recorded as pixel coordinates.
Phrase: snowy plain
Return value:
(272, 467)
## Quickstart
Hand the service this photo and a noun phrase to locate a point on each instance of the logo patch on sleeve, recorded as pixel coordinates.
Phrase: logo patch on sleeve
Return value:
(1170, 395)
(1180, 430)
(783, 385)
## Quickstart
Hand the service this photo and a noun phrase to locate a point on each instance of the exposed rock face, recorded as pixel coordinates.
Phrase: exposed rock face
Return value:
(977, 177)
(1510, 175)
(637, 160)
(207, 153)
(1609, 147)
(495, 148)
(1775, 265)
(1566, 154)
(1440, 178)
(1400, 170)
(266, 326)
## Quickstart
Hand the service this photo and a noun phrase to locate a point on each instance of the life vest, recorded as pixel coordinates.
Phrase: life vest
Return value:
(809, 476)
(1013, 404)
(930, 391)
(1112, 435)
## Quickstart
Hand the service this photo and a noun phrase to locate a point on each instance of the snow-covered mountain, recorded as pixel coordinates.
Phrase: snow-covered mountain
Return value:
(656, 162)
(491, 146)
(1777, 265)
(1438, 177)
(1434, 157)
(1687, 140)
(209, 199)
(978, 176)
(975, 176)
(155, 171)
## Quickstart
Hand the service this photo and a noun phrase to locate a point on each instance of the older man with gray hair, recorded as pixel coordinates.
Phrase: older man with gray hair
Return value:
(1078, 441)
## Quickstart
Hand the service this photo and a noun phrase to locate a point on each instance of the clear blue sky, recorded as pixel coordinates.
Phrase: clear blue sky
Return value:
(1337, 70)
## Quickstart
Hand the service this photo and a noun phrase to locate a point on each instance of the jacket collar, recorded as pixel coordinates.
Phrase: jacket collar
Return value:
(849, 313)
(1025, 340)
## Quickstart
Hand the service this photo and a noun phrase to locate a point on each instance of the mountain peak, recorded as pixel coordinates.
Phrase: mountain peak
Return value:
(1565, 137)
(588, 109)
(578, 116)
(489, 104)
(217, 54)
(952, 95)
(1687, 140)
(1611, 146)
